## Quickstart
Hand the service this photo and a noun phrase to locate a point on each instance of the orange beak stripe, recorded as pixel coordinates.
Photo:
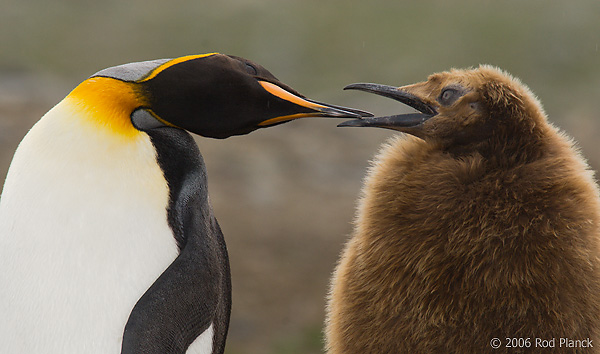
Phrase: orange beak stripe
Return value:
(285, 95)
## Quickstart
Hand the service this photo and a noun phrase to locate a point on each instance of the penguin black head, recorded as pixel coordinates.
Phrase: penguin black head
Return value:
(460, 107)
(213, 95)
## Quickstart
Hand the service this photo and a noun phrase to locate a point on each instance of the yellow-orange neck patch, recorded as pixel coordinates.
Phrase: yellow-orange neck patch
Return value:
(108, 103)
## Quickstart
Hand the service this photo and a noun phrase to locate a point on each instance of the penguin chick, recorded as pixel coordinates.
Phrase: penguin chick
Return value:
(479, 227)
(108, 242)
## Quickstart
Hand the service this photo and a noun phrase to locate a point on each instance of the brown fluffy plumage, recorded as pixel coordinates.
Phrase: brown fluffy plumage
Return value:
(487, 226)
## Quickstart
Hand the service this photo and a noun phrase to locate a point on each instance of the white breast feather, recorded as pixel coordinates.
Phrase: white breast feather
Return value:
(83, 234)
(204, 343)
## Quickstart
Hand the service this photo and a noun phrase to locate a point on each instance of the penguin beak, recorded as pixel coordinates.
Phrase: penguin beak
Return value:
(402, 122)
(310, 108)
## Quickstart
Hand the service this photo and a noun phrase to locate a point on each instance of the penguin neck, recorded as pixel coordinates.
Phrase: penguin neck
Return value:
(507, 147)
(194, 292)
(514, 148)
(185, 172)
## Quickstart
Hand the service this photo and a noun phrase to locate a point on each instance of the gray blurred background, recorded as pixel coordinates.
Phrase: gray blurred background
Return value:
(285, 196)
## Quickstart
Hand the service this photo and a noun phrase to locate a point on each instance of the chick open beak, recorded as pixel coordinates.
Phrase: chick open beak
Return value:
(396, 122)
(314, 108)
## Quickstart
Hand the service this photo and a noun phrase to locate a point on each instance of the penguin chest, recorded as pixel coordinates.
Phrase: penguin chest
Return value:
(83, 234)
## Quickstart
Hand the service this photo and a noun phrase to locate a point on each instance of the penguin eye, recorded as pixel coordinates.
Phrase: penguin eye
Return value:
(251, 69)
(449, 95)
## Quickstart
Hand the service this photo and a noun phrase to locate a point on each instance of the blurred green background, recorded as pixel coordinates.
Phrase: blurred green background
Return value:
(285, 196)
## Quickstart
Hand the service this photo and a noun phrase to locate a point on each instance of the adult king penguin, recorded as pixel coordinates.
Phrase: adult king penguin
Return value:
(479, 232)
(108, 242)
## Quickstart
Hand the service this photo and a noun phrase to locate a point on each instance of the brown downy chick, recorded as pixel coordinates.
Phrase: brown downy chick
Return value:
(483, 224)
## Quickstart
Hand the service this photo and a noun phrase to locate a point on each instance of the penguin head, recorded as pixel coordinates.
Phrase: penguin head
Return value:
(460, 107)
(212, 95)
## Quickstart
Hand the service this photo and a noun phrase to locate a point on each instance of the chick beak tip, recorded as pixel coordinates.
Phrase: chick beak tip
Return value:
(353, 123)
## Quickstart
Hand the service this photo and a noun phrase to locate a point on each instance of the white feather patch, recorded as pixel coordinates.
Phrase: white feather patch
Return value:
(204, 343)
(83, 234)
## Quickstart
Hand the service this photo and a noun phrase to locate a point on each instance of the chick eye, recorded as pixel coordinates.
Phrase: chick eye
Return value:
(251, 69)
(449, 95)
